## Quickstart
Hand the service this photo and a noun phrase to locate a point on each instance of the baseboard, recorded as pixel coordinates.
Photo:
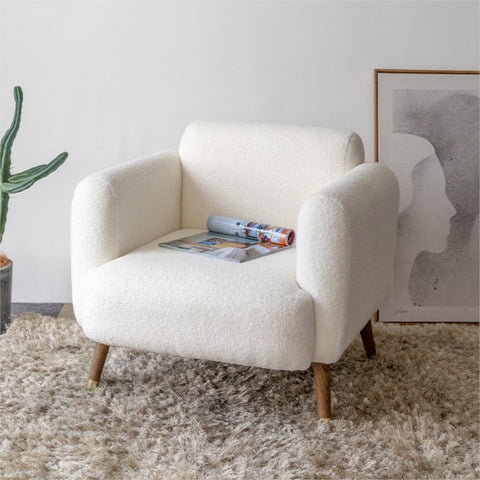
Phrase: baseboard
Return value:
(50, 309)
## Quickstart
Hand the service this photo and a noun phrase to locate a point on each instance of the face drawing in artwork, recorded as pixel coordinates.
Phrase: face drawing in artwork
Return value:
(425, 210)
(451, 123)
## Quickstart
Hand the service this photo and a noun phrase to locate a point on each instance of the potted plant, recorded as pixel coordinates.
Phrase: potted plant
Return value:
(11, 183)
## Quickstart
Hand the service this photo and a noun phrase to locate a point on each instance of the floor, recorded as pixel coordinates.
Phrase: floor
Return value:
(50, 309)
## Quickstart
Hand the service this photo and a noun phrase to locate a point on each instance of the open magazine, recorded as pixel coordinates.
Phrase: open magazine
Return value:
(234, 240)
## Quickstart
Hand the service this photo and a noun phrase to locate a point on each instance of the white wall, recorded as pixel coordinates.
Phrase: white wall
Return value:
(111, 81)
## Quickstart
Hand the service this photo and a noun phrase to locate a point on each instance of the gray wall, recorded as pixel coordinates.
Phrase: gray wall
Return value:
(111, 81)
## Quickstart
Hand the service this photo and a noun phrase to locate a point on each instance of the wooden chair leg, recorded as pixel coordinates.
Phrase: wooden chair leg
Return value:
(368, 340)
(321, 374)
(96, 366)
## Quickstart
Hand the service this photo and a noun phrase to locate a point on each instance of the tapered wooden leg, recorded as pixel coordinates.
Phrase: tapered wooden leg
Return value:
(321, 374)
(368, 340)
(96, 366)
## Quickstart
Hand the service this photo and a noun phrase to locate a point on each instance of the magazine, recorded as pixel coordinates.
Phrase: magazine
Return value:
(234, 240)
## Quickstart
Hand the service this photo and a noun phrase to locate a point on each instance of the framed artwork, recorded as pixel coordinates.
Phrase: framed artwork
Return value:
(427, 132)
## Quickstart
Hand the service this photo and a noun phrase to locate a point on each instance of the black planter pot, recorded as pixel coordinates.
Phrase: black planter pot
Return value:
(5, 295)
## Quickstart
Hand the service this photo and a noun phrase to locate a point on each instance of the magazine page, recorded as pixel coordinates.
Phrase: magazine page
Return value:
(234, 240)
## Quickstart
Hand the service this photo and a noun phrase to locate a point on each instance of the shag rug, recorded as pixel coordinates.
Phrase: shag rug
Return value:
(410, 413)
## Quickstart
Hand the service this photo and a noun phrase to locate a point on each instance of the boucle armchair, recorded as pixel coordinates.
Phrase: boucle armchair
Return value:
(286, 311)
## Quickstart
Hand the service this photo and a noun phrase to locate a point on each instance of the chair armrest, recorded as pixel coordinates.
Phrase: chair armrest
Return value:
(346, 239)
(121, 208)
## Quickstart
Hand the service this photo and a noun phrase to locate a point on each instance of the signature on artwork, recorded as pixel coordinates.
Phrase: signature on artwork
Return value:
(399, 311)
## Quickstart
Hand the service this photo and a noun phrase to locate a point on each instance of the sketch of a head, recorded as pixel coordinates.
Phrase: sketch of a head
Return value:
(425, 209)
(451, 124)
(430, 210)
(446, 122)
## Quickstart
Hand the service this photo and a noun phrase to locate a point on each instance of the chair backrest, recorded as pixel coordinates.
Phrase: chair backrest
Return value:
(259, 172)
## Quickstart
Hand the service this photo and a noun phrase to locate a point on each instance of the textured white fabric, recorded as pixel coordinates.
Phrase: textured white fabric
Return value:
(163, 300)
(345, 247)
(259, 172)
(122, 208)
(282, 311)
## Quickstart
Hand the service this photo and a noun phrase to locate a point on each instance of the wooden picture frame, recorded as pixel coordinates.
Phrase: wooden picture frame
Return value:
(426, 131)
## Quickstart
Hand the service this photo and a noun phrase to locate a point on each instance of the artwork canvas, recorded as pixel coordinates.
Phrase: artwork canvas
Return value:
(427, 132)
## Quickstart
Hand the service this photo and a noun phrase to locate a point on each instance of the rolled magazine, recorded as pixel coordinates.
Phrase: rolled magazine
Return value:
(253, 230)
(234, 240)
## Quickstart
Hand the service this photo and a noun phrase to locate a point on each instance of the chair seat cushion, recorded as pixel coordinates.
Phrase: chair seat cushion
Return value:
(163, 300)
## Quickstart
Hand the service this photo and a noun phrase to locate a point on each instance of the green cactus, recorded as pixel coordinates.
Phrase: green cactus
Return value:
(20, 181)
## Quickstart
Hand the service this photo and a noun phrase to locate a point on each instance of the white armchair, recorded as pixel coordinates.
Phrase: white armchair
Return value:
(286, 311)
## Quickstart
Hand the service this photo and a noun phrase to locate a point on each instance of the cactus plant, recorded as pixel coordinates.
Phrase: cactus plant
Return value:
(15, 183)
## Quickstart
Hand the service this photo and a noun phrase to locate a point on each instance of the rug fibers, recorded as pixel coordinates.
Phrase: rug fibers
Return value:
(410, 413)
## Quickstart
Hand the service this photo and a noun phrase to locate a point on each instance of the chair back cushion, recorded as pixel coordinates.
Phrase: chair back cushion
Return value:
(259, 172)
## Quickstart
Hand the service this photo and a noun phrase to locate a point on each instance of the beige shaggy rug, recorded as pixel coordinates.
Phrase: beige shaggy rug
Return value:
(412, 412)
